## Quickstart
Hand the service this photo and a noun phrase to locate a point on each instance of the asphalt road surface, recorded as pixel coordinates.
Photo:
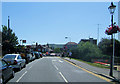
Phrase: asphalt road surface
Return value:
(54, 69)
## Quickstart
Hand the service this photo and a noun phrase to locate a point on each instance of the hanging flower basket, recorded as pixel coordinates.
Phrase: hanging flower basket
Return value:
(111, 30)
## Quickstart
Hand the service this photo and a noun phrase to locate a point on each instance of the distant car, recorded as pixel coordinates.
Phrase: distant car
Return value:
(52, 54)
(6, 71)
(15, 61)
(37, 55)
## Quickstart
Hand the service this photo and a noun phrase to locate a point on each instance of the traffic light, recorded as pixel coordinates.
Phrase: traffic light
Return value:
(24, 41)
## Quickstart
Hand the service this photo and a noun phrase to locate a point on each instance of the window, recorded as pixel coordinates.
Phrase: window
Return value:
(4, 63)
(9, 56)
(19, 57)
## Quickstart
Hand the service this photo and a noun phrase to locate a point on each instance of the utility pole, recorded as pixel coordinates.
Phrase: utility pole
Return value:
(69, 38)
(98, 33)
(8, 22)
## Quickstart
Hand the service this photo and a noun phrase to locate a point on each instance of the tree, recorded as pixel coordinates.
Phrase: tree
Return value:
(57, 50)
(86, 51)
(106, 46)
(9, 40)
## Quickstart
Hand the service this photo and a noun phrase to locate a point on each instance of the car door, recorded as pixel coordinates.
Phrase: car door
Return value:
(30, 57)
(22, 60)
(19, 59)
(6, 70)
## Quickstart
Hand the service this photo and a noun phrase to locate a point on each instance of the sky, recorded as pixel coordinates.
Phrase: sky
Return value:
(51, 22)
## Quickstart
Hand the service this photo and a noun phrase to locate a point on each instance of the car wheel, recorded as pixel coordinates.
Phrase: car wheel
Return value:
(24, 66)
(13, 74)
(2, 80)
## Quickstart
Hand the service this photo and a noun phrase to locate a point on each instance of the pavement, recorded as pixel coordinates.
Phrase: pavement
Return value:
(101, 71)
(55, 69)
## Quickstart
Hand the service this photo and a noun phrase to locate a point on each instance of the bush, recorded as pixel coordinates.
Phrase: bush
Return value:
(106, 46)
(86, 51)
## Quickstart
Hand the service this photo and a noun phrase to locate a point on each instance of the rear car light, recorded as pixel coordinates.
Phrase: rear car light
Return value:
(15, 62)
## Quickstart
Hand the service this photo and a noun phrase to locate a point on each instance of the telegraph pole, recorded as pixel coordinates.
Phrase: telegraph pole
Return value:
(8, 22)
(98, 33)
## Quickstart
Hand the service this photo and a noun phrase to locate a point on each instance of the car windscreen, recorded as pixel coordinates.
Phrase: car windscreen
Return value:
(9, 57)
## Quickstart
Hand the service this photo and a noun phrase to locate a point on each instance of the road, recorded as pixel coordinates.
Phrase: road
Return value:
(54, 69)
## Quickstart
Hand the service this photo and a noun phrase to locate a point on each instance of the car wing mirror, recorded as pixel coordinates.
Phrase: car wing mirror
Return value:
(8, 64)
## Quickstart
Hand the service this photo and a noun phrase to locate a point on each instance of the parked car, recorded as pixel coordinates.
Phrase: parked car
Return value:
(33, 56)
(40, 54)
(6, 71)
(44, 54)
(25, 56)
(30, 58)
(37, 55)
(15, 61)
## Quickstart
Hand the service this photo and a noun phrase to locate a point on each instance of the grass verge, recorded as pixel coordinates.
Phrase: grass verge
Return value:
(92, 64)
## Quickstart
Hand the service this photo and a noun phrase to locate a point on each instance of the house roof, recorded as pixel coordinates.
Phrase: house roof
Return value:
(71, 43)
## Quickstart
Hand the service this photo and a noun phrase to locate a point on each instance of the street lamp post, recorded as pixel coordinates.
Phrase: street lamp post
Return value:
(67, 38)
(112, 10)
(21, 42)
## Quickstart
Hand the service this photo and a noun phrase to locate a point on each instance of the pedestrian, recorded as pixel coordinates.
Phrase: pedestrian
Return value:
(70, 54)
(63, 54)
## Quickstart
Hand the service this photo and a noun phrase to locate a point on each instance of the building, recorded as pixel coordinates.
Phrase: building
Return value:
(91, 40)
(53, 46)
(119, 19)
(39, 48)
(70, 45)
(0, 43)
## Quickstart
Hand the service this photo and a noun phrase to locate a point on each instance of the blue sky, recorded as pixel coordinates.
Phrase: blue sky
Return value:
(51, 22)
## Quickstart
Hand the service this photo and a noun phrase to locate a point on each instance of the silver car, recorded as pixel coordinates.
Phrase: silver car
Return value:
(30, 57)
(15, 60)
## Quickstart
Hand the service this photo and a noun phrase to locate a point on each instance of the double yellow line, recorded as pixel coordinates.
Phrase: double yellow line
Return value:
(106, 79)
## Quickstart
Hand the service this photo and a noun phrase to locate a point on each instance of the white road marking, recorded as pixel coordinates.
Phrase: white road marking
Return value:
(30, 67)
(21, 77)
(60, 61)
(63, 77)
(56, 67)
(54, 64)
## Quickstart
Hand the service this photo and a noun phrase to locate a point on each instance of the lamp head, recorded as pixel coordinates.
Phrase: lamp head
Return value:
(112, 8)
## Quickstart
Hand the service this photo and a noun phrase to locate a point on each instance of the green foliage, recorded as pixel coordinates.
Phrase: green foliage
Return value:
(20, 48)
(86, 51)
(9, 40)
(106, 46)
(0, 44)
(57, 50)
(0, 37)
